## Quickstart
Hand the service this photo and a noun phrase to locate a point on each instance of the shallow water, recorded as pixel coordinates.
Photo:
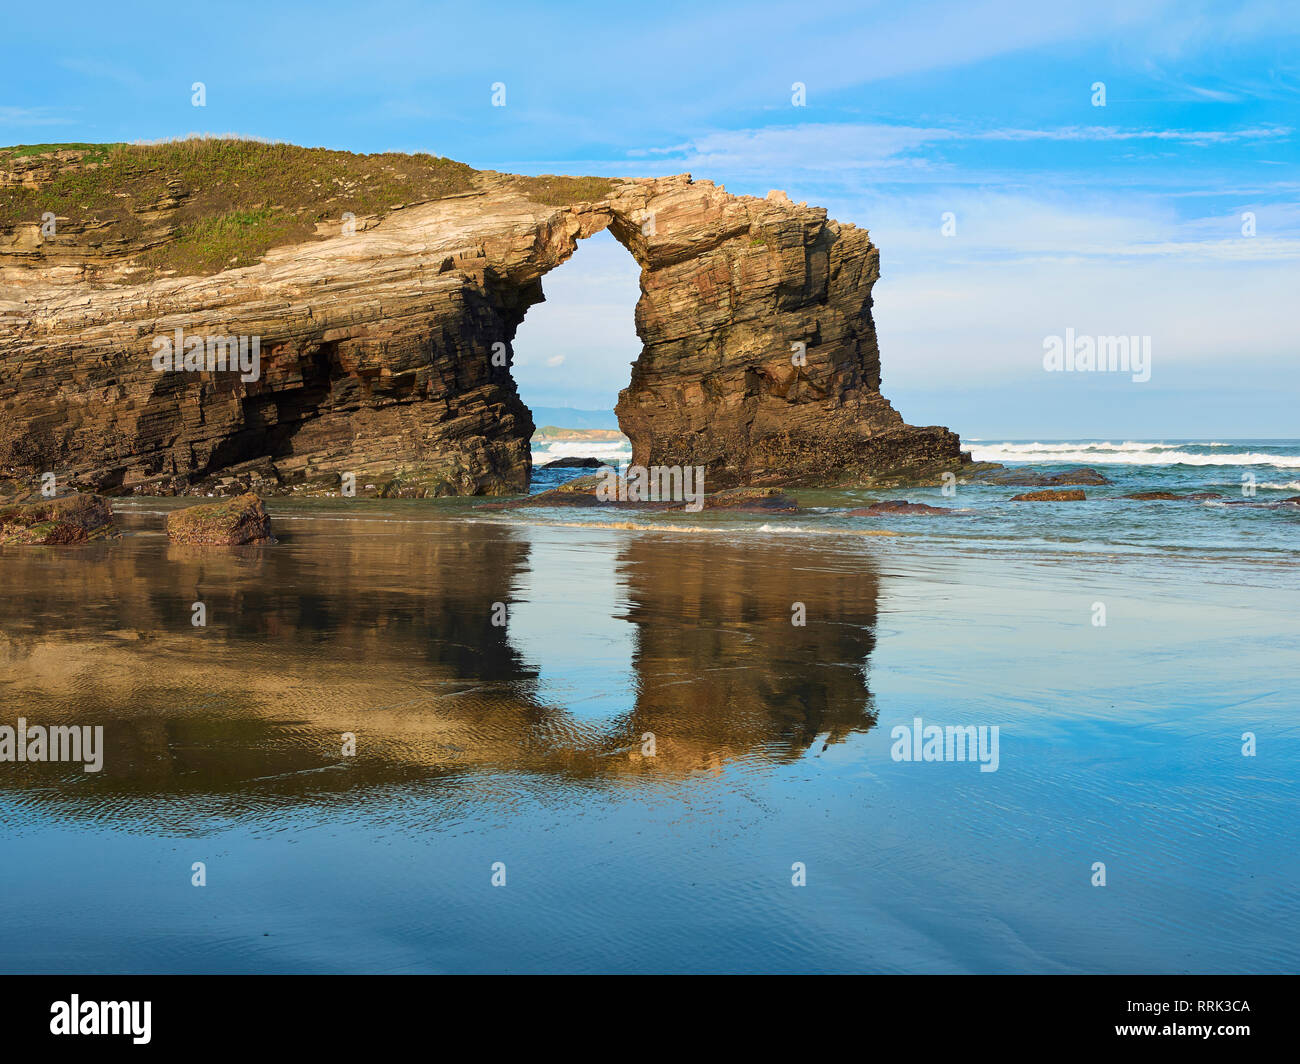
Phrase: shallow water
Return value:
(522, 743)
(1251, 516)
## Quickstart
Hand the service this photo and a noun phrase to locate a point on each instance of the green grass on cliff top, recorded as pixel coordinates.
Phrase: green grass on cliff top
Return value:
(558, 191)
(202, 205)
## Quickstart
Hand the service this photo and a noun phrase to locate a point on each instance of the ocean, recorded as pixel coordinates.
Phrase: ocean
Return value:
(1253, 480)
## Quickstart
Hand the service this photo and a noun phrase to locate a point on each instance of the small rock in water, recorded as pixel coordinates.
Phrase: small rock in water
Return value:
(228, 523)
(576, 463)
(1066, 495)
(898, 506)
(1169, 496)
(751, 499)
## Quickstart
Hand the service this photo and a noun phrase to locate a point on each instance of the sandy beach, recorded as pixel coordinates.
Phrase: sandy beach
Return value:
(525, 744)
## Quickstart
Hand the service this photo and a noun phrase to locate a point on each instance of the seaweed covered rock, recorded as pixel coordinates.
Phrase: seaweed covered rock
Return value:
(55, 522)
(235, 522)
(1170, 496)
(1064, 495)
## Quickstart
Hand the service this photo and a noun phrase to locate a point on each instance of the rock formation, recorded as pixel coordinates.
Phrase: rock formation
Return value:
(1052, 495)
(56, 522)
(1030, 478)
(377, 346)
(233, 522)
(577, 463)
(898, 507)
(1171, 496)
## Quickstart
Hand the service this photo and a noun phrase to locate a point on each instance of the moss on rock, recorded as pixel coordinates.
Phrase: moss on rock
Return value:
(232, 522)
(56, 522)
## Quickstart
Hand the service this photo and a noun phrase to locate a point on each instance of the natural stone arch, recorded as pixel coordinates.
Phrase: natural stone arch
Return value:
(377, 352)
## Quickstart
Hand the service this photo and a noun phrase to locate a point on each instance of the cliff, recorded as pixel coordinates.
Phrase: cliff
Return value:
(382, 294)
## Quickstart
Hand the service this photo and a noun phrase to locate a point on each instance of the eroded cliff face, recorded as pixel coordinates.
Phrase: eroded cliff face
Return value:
(377, 350)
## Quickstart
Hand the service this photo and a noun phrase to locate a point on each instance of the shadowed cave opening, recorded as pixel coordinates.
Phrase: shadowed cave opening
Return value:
(572, 355)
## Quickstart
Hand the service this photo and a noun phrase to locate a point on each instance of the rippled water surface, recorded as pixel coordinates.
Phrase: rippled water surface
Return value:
(523, 743)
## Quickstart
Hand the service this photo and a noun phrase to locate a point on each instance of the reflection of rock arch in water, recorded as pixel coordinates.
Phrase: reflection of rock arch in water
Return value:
(723, 671)
(382, 628)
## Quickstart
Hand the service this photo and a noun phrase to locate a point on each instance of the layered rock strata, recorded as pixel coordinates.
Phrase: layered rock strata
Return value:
(384, 353)
(56, 522)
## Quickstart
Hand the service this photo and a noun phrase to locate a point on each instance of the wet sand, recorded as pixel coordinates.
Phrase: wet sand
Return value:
(525, 743)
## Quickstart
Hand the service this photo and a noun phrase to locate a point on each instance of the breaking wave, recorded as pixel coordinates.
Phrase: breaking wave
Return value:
(1130, 453)
(611, 450)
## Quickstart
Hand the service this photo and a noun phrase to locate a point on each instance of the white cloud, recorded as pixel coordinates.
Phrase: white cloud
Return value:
(31, 116)
(1108, 133)
(839, 146)
(1000, 226)
(972, 310)
(586, 324)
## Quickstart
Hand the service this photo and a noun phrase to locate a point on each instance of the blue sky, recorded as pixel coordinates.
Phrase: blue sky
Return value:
(1125, 219)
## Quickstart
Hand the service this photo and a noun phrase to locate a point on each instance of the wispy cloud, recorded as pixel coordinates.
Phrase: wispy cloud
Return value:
(1109, 133)
(828, 146)
(31, 116)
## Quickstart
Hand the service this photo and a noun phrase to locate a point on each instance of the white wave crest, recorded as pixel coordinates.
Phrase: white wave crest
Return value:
(1141, 454)
(1127, 447)
(610, 449)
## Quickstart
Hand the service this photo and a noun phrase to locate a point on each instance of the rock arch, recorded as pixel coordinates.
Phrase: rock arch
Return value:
(376, 352)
